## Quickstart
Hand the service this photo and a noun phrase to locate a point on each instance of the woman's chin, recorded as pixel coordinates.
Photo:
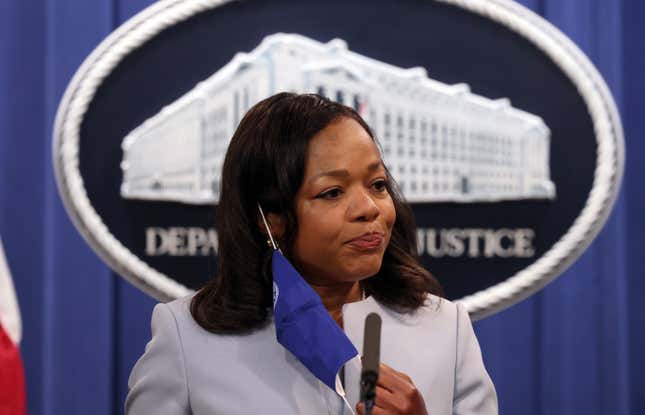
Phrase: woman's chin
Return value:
(365, 270)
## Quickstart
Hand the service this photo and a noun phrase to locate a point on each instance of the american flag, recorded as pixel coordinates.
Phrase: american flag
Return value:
(12, 379)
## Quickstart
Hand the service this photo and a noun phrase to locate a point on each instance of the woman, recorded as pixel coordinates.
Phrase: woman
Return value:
(313, 166)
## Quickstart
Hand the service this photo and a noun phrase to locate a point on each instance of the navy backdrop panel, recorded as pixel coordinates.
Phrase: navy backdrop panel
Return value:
(442, 38)
(572, 348)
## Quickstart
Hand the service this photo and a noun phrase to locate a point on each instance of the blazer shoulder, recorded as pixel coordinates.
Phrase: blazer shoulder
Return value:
(158, 382)
(181, 306)
(180, 310)
(436, 311)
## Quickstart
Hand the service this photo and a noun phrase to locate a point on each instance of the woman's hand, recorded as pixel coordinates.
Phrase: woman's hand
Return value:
(395, 395)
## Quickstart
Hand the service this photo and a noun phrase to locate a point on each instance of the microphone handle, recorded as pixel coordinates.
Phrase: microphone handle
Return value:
(368, 390)
(371, 360)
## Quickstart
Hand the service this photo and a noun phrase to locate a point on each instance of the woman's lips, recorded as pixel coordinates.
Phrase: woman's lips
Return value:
(368, 241)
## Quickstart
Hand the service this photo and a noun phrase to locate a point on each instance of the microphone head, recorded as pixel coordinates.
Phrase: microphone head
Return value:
(372, 343)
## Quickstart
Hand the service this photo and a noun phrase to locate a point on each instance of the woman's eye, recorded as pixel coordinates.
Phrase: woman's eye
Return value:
(330, 194)
(380, 185)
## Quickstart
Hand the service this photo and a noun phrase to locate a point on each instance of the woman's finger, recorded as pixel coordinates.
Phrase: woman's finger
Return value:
(360, 410)
(396, 372)
(387, 401)
(402, 396)
(394, 381)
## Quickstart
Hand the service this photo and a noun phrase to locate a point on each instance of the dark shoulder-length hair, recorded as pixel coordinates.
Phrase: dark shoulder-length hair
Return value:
(265, 164)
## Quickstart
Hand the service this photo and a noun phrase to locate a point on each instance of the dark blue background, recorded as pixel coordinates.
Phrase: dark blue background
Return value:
(452, 44)
(573, 348)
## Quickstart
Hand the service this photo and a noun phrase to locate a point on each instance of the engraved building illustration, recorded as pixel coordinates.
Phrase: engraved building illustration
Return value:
(441, 142)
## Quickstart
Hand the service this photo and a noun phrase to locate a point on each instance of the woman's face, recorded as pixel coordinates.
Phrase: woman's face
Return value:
(345, 213)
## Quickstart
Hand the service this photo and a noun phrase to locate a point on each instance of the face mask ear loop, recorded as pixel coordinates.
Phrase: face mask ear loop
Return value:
(267, 227)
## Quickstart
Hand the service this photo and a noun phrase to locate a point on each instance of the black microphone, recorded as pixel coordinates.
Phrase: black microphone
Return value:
(371, 360)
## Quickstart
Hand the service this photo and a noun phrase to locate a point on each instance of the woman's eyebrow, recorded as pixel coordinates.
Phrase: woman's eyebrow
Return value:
(344, 172)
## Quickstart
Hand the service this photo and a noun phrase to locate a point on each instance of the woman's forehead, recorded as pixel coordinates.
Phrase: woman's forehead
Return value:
(343, 143)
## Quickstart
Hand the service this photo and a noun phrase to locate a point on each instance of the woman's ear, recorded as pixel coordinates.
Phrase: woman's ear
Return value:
(277, 224)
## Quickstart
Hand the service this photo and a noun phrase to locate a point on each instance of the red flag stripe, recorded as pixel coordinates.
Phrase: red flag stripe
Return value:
(12, 379)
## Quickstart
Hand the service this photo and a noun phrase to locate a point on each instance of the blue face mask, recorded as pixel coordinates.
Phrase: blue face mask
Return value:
(303, 325)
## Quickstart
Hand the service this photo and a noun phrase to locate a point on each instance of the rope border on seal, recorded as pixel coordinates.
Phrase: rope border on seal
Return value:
(610, 154)
(546, 37)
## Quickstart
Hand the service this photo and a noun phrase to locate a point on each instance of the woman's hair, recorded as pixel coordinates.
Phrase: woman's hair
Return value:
(265, 163)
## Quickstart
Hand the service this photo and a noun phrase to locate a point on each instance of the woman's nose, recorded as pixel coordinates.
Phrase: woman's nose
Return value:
(363, 207)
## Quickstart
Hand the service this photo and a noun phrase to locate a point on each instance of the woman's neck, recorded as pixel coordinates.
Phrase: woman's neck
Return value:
(335, 296)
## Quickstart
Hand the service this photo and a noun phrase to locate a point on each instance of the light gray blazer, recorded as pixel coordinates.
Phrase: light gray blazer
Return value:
(187, 370)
